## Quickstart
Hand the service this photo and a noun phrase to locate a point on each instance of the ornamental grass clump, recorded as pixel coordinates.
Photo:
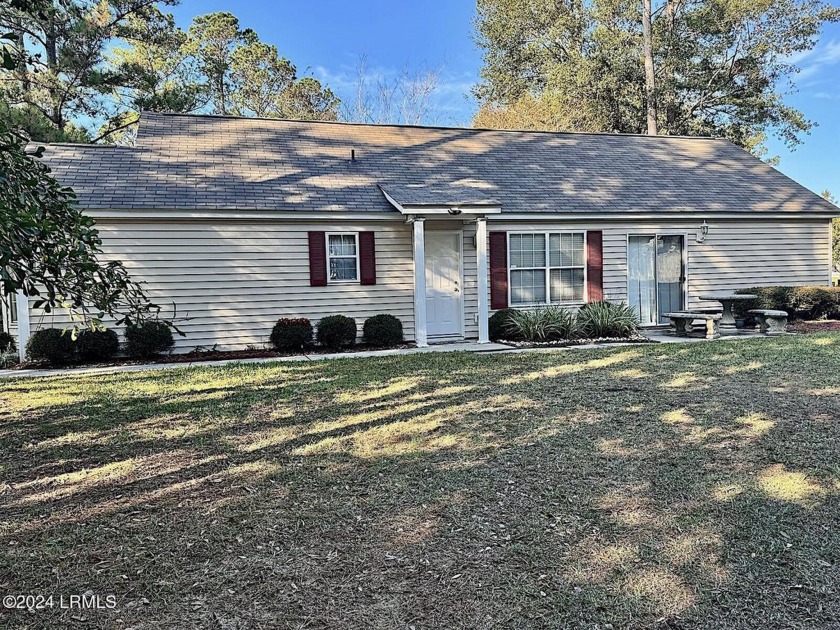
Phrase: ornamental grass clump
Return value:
(551, 323)
(607, 320)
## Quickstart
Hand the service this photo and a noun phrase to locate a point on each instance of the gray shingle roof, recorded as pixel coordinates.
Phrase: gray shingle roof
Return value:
(226, 163)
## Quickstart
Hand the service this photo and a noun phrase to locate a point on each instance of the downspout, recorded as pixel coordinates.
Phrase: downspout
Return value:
(23, 328)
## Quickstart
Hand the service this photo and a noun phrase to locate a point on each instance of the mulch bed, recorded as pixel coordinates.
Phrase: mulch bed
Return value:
(565, 343)
(810, 328)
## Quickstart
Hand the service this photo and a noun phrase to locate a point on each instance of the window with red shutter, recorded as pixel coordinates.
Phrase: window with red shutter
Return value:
(367, 257)
(498, 270)
(595, 265)
(317, 259)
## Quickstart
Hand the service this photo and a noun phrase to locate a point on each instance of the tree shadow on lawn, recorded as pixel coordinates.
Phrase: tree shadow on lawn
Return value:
(660, 486)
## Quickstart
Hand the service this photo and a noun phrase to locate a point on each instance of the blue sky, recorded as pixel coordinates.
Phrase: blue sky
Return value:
(325, 38)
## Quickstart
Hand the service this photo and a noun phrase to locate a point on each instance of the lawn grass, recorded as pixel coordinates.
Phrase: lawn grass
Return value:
(665, 486)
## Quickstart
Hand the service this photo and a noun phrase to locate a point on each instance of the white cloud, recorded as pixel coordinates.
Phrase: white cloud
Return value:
(811, 62)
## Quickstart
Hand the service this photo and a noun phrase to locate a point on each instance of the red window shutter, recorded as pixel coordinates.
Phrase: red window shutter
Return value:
(367, 258)
(595, 266)
(498, 270)
(317, 259)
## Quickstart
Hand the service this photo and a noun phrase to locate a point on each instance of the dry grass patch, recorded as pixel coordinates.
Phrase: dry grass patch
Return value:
(666, 487)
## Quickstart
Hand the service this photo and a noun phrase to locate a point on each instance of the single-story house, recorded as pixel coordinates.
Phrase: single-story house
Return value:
(240, 221)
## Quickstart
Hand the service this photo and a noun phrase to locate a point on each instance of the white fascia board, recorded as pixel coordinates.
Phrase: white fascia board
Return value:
(455, 210)
(623, 216)
(239, 215)
(492, 213)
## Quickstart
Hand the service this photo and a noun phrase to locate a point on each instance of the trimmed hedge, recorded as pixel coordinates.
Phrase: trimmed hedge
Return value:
(7, 342)
(148, 339)
(382, 330)
(97, 345)
(337, 331)
(53, 345)
(291, 334)
(809, 303)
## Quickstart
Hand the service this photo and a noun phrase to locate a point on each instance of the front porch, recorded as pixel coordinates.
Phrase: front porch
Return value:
(451, 291)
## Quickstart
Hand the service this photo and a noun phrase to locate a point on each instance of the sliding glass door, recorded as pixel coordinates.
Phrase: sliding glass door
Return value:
(655, 276)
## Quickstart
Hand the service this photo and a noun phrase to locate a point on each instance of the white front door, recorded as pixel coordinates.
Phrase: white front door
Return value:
(443, 284)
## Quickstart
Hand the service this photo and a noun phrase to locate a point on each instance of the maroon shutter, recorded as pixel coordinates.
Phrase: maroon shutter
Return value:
(498, 270)
(595, 266)
(317, 259)
(367, 258)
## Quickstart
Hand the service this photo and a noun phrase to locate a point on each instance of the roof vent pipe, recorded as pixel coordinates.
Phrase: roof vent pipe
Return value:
(352, 155)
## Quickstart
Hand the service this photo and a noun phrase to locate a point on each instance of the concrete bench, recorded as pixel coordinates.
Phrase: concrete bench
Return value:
(683, 319)
(771, 322)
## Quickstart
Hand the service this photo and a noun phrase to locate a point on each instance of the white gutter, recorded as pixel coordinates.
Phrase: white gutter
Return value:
(493, 214)
(618, 216)
(238, 215)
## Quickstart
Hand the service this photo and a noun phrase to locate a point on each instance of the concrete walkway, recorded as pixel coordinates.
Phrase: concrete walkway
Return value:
(114, 369)
(660, 335)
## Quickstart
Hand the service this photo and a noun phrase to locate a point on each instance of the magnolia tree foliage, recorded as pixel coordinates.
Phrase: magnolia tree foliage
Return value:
(49, 249)
(720, 67)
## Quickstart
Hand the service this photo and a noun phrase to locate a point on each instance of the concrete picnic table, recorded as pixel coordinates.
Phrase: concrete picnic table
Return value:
(727, 300)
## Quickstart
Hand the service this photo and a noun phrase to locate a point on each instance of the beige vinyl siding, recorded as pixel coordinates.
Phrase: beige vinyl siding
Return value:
(230, 282)
(737, 254)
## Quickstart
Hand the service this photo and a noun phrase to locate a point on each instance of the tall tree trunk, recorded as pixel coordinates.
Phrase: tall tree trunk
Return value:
(669, 97)
(650, 76)
(51, 49)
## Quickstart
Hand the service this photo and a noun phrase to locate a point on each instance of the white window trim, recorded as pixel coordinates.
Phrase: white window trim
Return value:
(358, 279)
(13, 310)
(547, 234)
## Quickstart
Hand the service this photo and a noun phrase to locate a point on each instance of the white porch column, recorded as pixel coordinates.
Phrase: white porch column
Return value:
(420, 283)
(22, 323)
(481, 267)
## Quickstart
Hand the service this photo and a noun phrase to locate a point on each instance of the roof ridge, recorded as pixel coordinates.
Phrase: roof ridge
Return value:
(433, 127)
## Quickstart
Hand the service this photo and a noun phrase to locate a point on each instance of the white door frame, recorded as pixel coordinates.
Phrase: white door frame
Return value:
(656, 236)
(460, 333)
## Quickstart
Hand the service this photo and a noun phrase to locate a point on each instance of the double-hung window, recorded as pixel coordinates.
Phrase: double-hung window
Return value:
(546, 268)
(343, 257)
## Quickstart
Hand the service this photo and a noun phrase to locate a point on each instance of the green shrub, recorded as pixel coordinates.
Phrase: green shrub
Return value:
(808, 303)
(8, 359)
(53, 345)
(148, 339)
(337, 331)
(551, 323)
(291, 334)
(499, 325)
(605, 319)
(815, 302)
(382, 330)
(97, 345)
(7, 342)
